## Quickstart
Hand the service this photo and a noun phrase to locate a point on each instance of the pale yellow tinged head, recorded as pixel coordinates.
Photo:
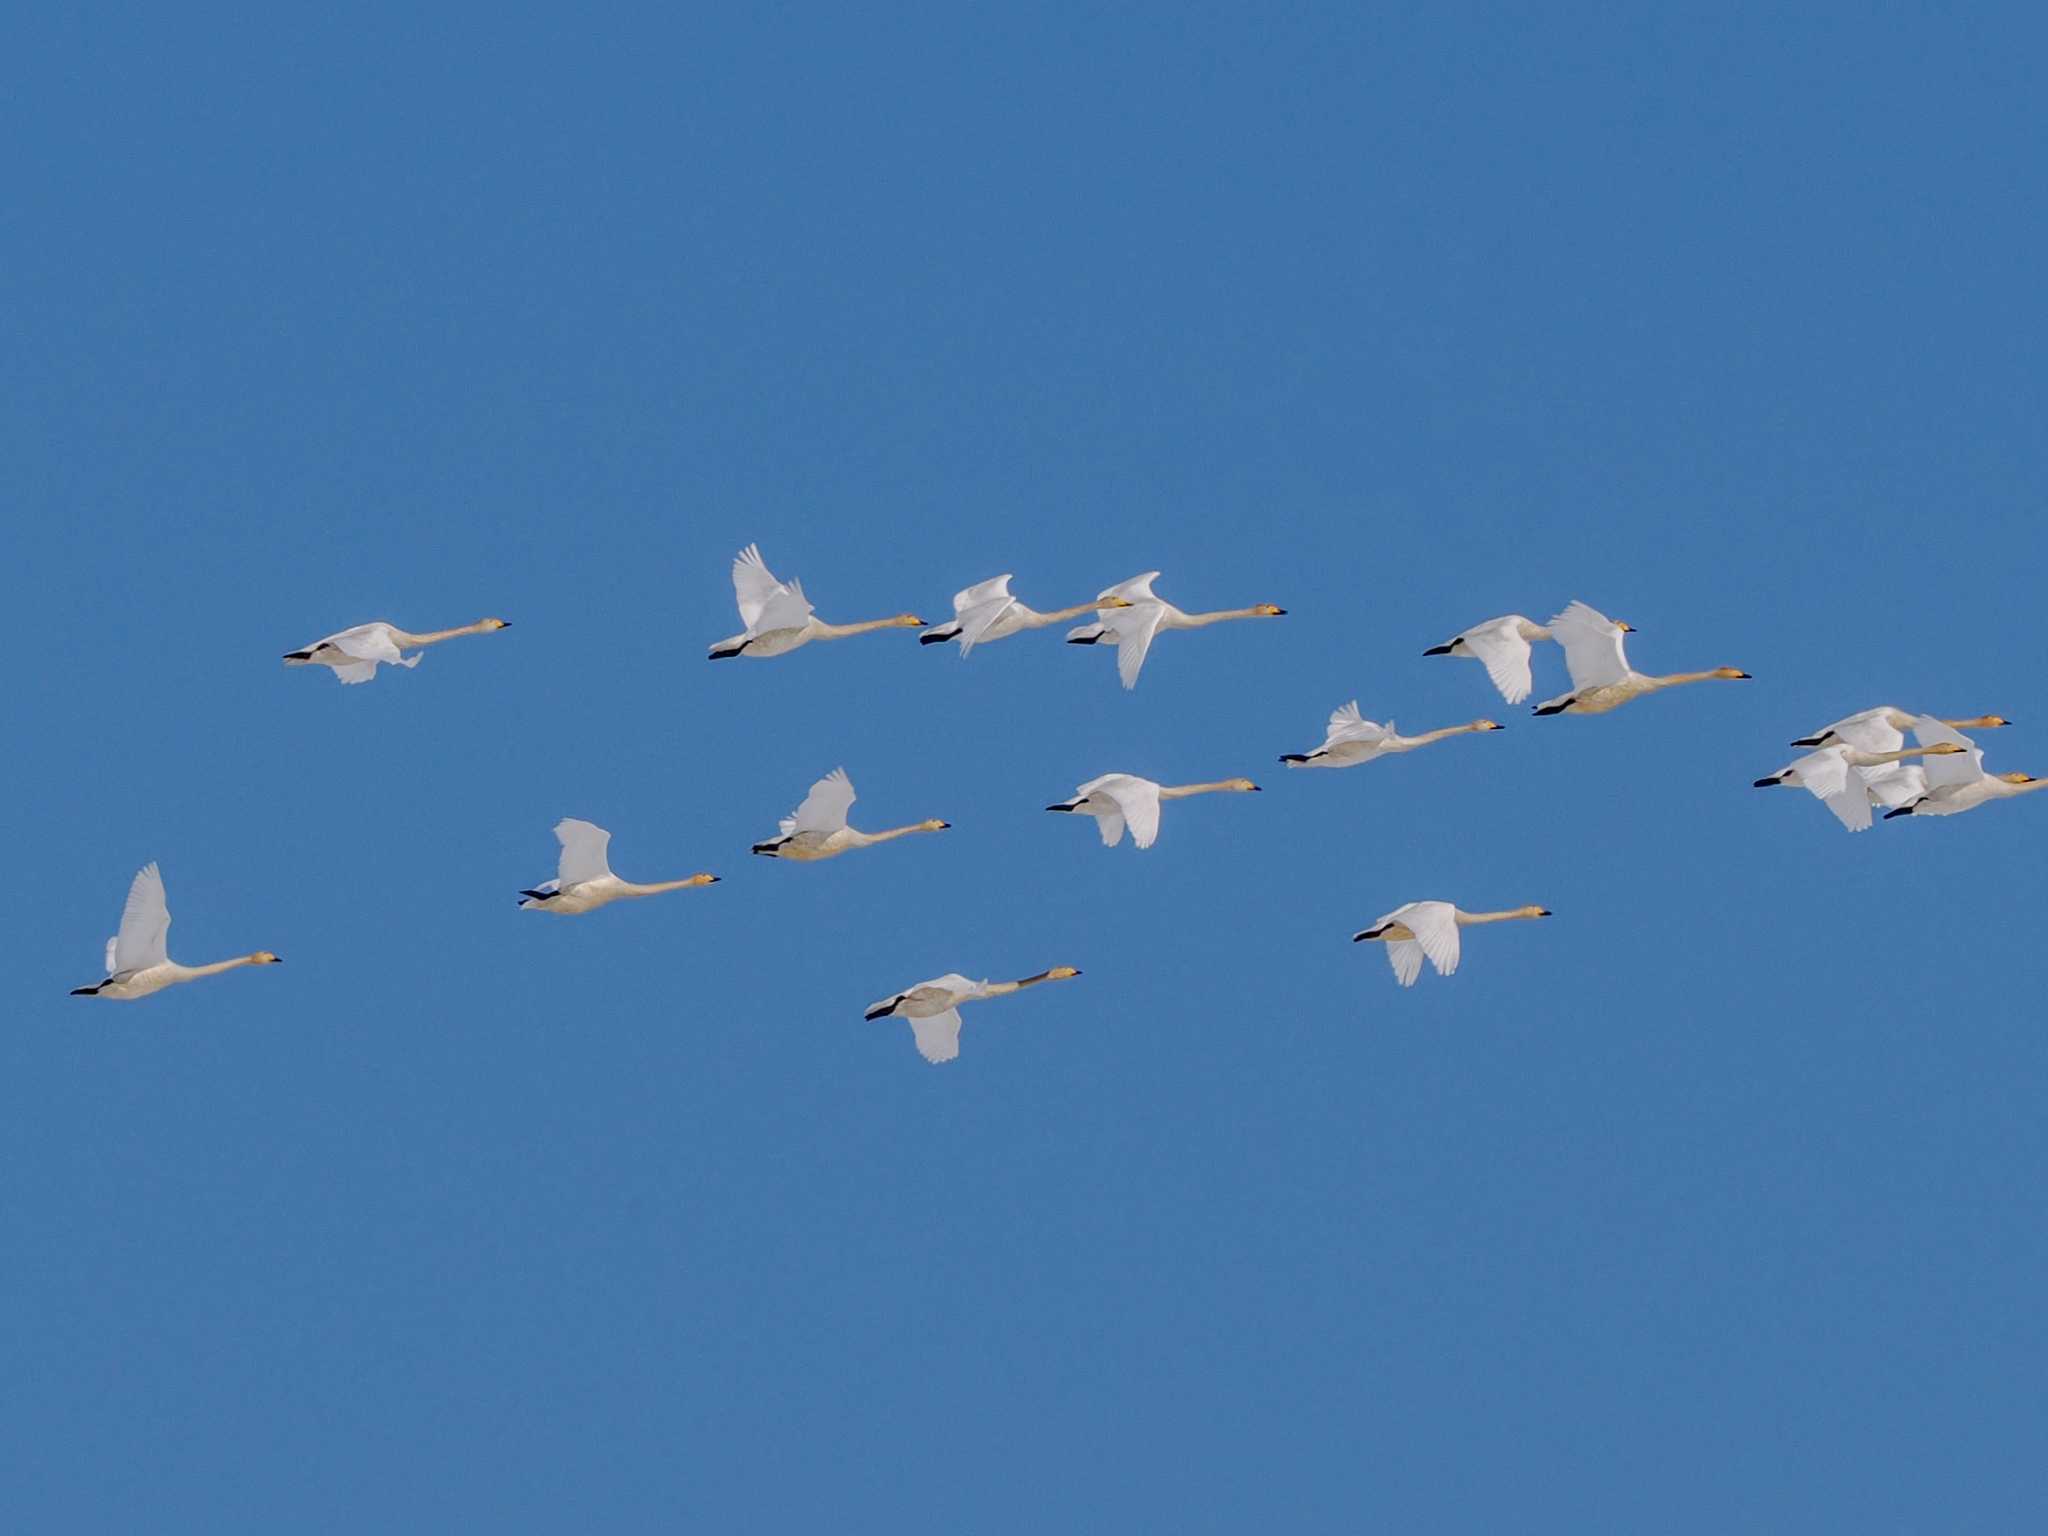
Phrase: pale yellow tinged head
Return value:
(2017, 778)
(1729, 672)
(1061, 973)
(702, 880)
(934, 825)
(1624, 626)
(1269, 611)
(1241, 785)
(265, 957)
(1113, 602)
(908, 621)
(1944, 749)
(1487, 725)
(494, 623)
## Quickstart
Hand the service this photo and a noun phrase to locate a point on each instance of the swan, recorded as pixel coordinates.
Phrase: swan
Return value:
(1884, 728)
(137, 964)
(355, 653)
(1354, 739)
(1128, 615)
(817, 829)
(1502, 645)
(1119, 798)
(986, 612)
(933, 1007)
(1836, 777)
(1959, 783)
(778, 616)
(1602, 679)
(1430, 928)
(583, 877)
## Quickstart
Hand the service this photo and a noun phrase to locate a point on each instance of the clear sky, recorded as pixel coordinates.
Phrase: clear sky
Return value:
(1712, 1204)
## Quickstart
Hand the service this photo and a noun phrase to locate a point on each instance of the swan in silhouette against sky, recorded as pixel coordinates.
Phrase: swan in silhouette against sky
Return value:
(1840, 777)
(355, 654)
(1602, 679)
(137, 962)
(1353, 739)
(987, 612)
(1430, 928)
(778, 616)
(583, 875)
(1502, 646)
(1129, 614)
(933, 1007)
(1959, 783)
(817, 829)
(1119, 799)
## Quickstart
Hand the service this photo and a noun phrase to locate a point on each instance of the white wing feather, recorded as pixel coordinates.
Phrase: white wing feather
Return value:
(1134, 628)
(938, 1037)
(1949, 767)
(1138, 799)
(1592, 646)
(583, 851)
(1500, 647)
(145, 925)
(824, 808)
(766, 604)
(977, 609)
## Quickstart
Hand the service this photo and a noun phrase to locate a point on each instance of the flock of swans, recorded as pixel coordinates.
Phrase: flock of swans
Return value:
(1854, 766)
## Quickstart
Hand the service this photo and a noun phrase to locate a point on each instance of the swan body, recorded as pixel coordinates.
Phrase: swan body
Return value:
(1840, 777)
(137, 961)
(1958, 783)
(1129, 614)
(817, 829)
(1884, 728)
(1353, 739)
(778, 616)
(932, 1007)
(986, 612)
(1602, 678)
(355, 654)
(1429, 929)
(1117, 800)
(583, 875)
(1502, 646)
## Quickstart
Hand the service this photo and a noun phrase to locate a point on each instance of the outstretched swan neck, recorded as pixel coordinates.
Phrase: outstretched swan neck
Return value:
(868, 839)
(823, 631)
(1182, 791)
(1874, 759)
(434, 636)
(194, 972)
(1175, 619)
(1452, 730)
(1674, 679)
(1032, 619)
(1003, 988)
(1974, 723)
(1474, 919)
(633, 888)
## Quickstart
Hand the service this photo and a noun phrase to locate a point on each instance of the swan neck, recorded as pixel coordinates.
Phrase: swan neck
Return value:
(1182, 791)
(1474, 919)
(823, 631)
(1175, 619)
(194, 972)
(434, 636)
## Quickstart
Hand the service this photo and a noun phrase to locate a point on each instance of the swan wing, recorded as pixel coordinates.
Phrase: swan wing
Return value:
(1828, 777)
(1592, 646)
(1869, 731)
(1138, 800)
(1137, 590)
(981, 592)
(583, 851)
(1505, 654)
(1894, 784)
(977, 618)
(765, 603)
(145, 925)
(1435, 926)
(366, 642)
(825, 807)
(1949, 768)
(1134, 629)
(1347, 724)
(938, 1036)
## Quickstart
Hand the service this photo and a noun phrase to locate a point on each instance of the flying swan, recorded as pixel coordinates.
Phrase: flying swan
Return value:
(137, 964)
(1354, 739)
(1602, 679)
(1502, 646)
(1117, 799)
(817, 829)
(778, 616)
(1430, 928)
(1128, 615)
(933, 1007)
(583, 877)
(986, 612)
(1837, 776)
(1957, 784)
(354, 654)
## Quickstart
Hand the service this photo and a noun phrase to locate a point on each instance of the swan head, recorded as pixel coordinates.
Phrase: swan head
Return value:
(494, 624)
(1984, 723)
(702, 880)
(934, 825)
(1943, 749)
(1732, 673)
(907, 621)
(1061, 973)
(1626, 628)
(1242, 786)
(2017, 778)
(1534, 912)
(1270, 611)
(1488, 725)
(265, 957)
(1114, 602)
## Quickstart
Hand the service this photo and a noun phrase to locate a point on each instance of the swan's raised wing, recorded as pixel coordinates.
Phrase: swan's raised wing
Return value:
(1869, 731)
(1137, 590)
(583, 851)
(1347, 724)
(824, 808)
(1435, 926)
(978, 607)
(366, 642)
(1592, 646)
(145, 925)
(765, 603)
(1134, 628)
(1138, 800)
(1499, 645)
(938, 1036)
(1894, 784)
(1948, 768)
(1827, 776)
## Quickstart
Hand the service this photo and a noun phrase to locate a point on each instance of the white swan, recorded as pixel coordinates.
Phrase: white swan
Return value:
(1884, 728)
(817, 829)
(137, 963)
(1119, 799)
(778, 616)
(583, 876)
(1837, 776)
(1959, 783)
(1430, 928)
(986, 612)
(1128, 615)
(355, 653)
(1602, 679)
(932, 1007)
(1354, 739)
(1502, 646)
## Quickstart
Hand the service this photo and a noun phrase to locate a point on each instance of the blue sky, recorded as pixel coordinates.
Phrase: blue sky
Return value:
(1711, 1204)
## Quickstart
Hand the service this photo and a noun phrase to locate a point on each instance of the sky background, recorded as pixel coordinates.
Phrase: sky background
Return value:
(1712, 1204)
